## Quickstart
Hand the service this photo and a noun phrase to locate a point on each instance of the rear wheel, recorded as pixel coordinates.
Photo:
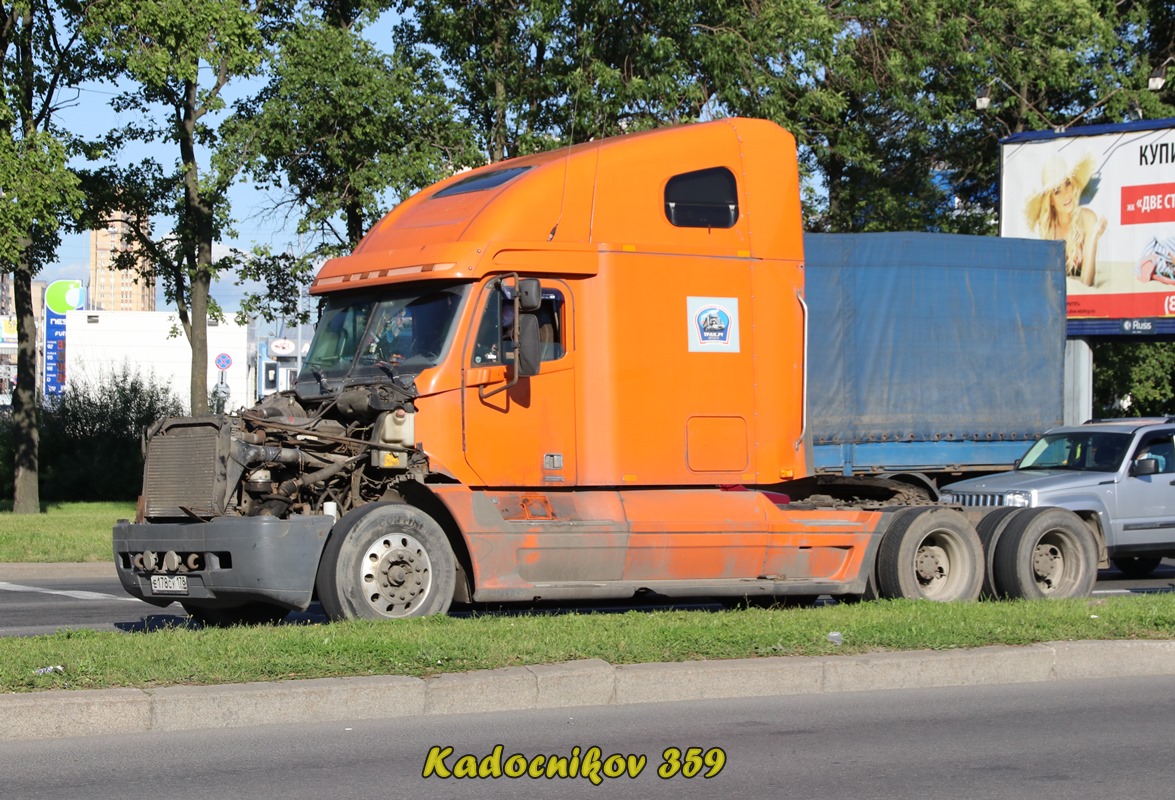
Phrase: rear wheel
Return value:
(990, 528)
(1045, 552)
(1137, 566)
(386, 561)
(930, 554)
(259, 613)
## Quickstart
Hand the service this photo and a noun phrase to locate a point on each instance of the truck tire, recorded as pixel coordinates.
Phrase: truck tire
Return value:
(1045, 552)
(990, 528)
(386, 561)
(1137, 566)
(930, 554)
(259, 613)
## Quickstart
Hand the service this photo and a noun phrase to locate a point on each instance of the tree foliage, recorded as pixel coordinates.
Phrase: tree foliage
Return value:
(92, 435)
(338, 128)
(180, 55)
(1133, 378)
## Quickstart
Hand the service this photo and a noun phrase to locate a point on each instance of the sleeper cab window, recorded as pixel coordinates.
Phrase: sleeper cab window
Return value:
(707, 198)
(495, 332)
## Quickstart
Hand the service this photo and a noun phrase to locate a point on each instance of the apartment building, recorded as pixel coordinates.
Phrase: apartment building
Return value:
(113, 289)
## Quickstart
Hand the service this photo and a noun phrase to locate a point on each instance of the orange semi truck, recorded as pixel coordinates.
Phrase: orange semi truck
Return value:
(574, 375)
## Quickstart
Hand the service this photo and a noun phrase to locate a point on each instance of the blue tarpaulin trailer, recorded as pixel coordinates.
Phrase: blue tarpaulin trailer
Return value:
(929, 353)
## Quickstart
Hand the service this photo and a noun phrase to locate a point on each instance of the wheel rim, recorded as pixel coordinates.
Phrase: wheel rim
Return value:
(932, 565)
(1055, 562)
(397, 575)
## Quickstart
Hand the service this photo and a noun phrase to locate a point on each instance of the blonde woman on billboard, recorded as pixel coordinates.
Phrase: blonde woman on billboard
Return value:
(1055, 212)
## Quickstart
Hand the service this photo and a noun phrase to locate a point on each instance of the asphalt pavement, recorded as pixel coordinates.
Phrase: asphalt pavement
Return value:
(55, 714)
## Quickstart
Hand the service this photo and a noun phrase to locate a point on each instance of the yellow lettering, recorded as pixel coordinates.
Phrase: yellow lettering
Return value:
(491, 765)
(590, 768)
(535, 770)
(516, 766)
(636, 765)
(435, 763)
(614, 766)
(466, 767)
(556, 767)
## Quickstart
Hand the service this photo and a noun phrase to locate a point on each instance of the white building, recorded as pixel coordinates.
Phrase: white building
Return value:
(99, 342)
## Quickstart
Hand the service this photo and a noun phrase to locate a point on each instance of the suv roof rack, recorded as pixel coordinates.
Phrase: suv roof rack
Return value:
(1140, 421)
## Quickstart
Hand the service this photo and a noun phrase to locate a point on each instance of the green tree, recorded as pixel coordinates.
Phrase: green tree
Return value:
(338, 127)
(1133, 378)
(181, 54)
(39, 53)
(92, 434)
(497, 55)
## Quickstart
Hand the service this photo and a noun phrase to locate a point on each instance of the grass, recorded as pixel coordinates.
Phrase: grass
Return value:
(421, 647)
(64, 532)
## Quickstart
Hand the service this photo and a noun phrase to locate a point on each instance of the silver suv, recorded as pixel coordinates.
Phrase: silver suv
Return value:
(1117, 475)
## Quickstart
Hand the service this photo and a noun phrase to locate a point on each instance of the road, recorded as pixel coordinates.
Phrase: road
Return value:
(1105, 738)
(38, 605)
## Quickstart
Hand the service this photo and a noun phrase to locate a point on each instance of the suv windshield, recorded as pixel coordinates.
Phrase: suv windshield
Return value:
(1086, 451)
(370, 334)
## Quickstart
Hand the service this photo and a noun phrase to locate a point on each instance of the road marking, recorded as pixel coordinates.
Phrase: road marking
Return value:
(76, 595)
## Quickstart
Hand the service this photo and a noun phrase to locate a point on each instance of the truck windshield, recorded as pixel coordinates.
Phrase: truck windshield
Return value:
(373, 333)
(1078, 450)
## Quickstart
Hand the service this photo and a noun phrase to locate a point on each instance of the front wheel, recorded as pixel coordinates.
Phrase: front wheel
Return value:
(930, 554)
(386, 561)
(1045, 552)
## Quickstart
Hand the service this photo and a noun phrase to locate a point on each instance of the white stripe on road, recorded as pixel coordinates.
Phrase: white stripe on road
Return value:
(79, 595)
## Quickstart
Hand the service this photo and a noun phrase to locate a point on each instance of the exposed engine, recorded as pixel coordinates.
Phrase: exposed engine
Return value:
(284, 457)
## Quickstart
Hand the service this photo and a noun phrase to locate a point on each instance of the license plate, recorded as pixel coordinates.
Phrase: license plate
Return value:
(169, 584)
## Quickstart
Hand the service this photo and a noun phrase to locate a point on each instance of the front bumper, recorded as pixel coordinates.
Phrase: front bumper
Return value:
(238, 559)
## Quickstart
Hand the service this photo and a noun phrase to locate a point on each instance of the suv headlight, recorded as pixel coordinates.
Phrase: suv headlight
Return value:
(1019, 499)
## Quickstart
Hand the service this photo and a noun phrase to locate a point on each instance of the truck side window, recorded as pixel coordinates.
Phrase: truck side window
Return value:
(707, 198)
(495, 331)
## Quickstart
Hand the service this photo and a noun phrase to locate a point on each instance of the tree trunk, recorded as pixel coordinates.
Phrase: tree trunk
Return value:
(200, 221)
(26, 437)
(198, 338)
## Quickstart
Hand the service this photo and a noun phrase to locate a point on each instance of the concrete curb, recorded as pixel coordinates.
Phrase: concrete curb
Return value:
(56, 714)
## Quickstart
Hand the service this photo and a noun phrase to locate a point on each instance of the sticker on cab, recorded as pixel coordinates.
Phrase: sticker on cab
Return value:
(713, 324)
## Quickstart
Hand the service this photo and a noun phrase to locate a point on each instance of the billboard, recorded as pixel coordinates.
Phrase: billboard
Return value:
(1107, 192)
(60, 297)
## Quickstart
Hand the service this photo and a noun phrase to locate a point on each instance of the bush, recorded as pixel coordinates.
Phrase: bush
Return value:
(91, 435)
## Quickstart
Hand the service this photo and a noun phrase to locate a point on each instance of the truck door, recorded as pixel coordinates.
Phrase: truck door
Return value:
(1146, 503)
(523, 435)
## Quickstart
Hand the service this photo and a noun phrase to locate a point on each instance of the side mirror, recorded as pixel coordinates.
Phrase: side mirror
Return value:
(530, 294)
(1145, 466)
(527, 357)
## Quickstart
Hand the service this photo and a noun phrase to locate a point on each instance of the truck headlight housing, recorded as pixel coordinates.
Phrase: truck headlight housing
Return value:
(1019, 499)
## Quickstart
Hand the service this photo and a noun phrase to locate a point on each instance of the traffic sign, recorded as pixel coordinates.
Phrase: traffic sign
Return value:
(223, 361)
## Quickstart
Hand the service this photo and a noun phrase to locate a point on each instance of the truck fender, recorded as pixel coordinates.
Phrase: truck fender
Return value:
(917, 480)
